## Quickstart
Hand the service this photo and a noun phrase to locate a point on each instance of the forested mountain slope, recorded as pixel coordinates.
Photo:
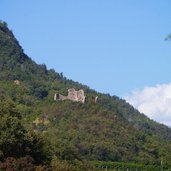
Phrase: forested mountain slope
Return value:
(108, 130)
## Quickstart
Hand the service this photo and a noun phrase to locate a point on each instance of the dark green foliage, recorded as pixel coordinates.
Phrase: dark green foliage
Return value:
(15, 139)
(12, 164)
(168, 37)
(97, 134)
(109, 130)
(127, 166)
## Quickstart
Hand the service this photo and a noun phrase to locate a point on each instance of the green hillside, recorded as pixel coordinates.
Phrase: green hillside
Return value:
(47, 132)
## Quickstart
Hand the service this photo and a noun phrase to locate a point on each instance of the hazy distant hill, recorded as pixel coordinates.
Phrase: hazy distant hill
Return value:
(108, 130)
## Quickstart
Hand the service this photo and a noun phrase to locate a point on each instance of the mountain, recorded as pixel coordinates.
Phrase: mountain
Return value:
(107, 130)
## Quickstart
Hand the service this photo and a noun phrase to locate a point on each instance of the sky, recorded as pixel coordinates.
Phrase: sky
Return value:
(113, 46)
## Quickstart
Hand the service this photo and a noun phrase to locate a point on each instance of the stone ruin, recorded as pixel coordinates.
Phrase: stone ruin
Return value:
(77, 96)
(96, 99)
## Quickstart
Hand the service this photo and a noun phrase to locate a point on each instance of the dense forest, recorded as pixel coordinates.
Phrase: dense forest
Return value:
(38, 132)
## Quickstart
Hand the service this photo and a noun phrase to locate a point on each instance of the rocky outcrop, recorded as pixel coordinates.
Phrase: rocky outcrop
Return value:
(77, 96)
(17, 82)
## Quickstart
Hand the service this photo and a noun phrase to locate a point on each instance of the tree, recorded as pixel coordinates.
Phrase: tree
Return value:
(15, 140)
(168, 37)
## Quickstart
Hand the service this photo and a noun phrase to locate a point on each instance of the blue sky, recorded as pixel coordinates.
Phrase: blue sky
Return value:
(113, 46)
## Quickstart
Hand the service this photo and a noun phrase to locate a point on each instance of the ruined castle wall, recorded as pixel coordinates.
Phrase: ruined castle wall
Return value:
(73, 95)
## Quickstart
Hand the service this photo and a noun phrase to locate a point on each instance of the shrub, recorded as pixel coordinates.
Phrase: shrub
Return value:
(22, 164)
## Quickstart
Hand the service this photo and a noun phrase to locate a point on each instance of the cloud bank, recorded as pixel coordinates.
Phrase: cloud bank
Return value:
(155, 102)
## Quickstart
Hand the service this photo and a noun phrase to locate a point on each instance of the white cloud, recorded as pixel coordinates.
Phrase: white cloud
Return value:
(155, 102)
